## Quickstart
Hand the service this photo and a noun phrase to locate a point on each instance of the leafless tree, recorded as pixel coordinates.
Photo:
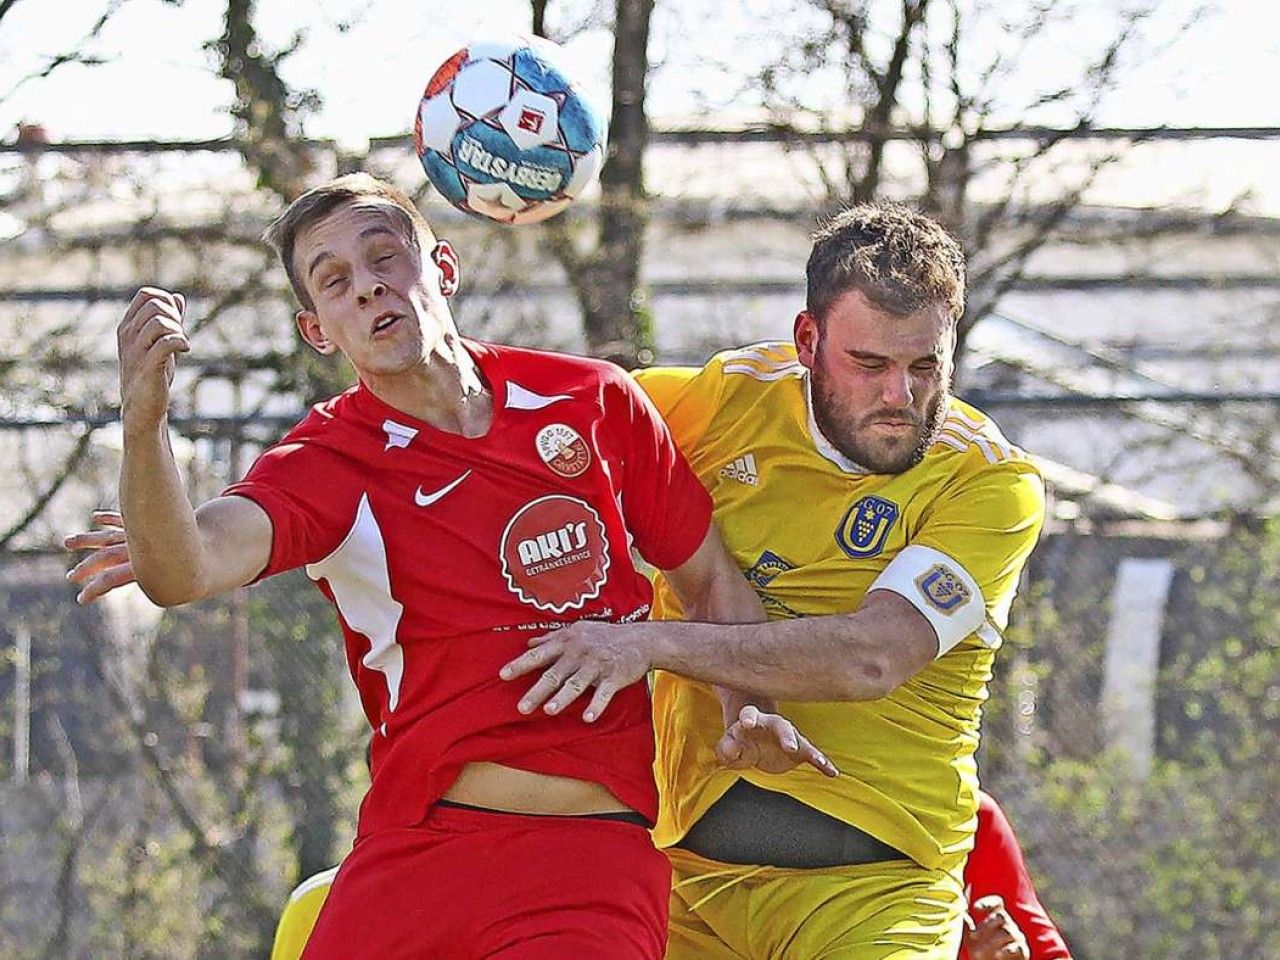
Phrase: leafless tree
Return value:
(932, 112)
(602, 261)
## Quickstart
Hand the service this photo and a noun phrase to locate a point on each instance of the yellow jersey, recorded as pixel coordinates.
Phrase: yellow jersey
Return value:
(299, 915)
(813, 533)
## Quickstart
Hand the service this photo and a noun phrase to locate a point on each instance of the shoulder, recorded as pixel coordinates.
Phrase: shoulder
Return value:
(976, 471)
(740, 371)
(967, 431)
(547, 369)
(764, 362)
(328, 425)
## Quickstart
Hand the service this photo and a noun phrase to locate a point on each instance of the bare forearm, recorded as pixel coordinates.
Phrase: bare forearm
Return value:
(820, 658)
(164, 542)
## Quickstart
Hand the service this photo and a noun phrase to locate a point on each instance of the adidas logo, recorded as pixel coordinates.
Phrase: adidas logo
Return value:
(743, 470)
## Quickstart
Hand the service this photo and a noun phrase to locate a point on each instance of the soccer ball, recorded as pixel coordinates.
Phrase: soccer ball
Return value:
(504, 133)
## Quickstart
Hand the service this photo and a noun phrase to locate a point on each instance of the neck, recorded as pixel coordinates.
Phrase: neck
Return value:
(446, 390)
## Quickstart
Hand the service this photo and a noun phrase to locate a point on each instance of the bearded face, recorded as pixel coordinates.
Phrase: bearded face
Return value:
(879, 381)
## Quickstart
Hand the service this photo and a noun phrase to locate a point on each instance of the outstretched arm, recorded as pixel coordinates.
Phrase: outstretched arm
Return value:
(858, 656)
(709, 585)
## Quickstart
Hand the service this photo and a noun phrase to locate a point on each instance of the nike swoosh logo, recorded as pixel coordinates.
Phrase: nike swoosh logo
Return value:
(427, 499)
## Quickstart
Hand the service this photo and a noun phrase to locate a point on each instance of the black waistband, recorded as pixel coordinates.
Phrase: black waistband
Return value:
(621, 816)
(749, 825)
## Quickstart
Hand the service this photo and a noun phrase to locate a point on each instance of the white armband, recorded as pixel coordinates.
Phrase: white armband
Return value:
(942, 590)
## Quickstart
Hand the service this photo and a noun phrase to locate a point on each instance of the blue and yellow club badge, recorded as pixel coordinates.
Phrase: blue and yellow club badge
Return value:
(766, 567)
(863, 530)
(943, 589)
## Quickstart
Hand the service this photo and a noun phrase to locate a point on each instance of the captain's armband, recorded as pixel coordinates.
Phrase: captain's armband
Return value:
(942, 590)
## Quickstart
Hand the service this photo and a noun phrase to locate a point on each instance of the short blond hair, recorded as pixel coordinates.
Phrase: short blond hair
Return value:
(318, 202)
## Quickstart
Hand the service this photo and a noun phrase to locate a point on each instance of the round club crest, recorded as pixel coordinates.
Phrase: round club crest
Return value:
(563, 450)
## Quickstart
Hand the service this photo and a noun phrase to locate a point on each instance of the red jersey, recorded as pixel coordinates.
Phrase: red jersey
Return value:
(996, 866)
(443, 554)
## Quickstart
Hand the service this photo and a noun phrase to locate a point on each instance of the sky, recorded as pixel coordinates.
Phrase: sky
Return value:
(369, 59)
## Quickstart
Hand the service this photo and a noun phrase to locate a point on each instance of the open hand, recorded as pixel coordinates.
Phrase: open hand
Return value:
(607, 656)
(768, 742)
(107, 565)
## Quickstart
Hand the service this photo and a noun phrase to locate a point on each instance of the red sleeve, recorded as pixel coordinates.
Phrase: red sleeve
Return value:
(666, 508)
(309, 509)
(996, 866)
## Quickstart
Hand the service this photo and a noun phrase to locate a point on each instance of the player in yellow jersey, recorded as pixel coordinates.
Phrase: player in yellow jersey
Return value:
(299, 915)
(884, 524)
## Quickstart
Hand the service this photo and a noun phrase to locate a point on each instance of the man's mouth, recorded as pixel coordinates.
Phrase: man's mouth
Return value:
(384, 321)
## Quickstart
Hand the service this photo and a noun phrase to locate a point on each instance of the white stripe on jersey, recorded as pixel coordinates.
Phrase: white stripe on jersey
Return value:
(522, 398)
(994, 448)
(358, 576)
(764, 361)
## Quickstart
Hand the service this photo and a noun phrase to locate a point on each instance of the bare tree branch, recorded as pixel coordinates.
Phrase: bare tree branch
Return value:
(75, 55)
(66, 473)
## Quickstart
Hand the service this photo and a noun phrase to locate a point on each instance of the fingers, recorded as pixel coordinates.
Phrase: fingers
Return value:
(780, 728)
(540, 656)
(102, 558)
(547, 684)
(735, 750)
(785, 735)
(996, 936)
(94, 539)
(992, 901)
(574, 687)
(603, 695)
(151, 331)
(103, 583)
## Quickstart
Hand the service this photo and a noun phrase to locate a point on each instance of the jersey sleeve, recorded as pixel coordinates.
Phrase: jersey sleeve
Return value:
(961, 568)
(288, 481)
(996, 866)
(666, 508)
(686, 397)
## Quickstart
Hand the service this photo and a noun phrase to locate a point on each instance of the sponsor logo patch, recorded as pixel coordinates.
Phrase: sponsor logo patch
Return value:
(555, 553)
(865, 527)
(943, 589)
(530, 120)
(563, 450)
(767, 566)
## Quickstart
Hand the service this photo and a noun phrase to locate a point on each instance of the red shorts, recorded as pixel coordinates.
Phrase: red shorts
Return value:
(475, 885)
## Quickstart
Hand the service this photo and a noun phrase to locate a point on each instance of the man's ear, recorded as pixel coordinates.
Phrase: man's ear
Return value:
(807, 334)
(309, 327)
(446, 262)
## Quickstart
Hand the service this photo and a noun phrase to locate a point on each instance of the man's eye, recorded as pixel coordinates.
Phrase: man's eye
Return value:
(332, 282)
(385, 257)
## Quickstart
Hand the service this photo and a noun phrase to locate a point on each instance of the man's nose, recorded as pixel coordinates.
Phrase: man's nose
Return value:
(370, 288)
(896, 389)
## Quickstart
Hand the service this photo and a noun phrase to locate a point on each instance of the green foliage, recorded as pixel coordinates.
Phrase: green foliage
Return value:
(1184, 863)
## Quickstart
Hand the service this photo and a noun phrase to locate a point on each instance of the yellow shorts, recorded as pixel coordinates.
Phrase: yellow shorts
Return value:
(876, 911)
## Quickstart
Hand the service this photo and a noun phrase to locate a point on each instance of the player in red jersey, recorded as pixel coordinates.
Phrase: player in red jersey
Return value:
(460, 499)
(1006, 919)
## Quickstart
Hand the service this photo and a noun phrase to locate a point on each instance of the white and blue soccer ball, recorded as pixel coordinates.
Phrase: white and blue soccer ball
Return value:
(505, 133)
